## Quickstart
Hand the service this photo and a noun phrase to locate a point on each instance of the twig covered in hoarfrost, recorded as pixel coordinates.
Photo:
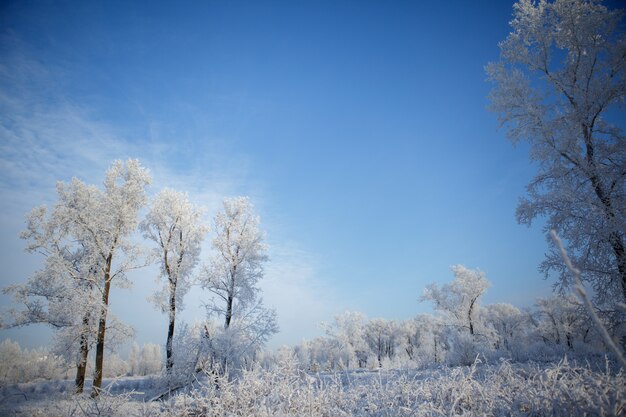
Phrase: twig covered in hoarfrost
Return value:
(580, 290)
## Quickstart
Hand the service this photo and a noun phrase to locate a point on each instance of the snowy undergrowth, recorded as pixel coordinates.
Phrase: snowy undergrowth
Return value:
(560, 389)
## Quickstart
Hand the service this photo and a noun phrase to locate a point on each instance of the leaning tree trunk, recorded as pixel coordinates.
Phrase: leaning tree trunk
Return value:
(469, 316)
(102, 324)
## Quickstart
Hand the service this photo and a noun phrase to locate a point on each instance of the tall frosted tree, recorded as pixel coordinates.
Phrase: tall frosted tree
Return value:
(62, 293)
(237, 265)
(103, 221)
(232, 277)
(559, 83)
(85, 241)
(176, 226)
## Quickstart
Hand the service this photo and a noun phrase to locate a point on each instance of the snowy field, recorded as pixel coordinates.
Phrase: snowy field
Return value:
(558, 389)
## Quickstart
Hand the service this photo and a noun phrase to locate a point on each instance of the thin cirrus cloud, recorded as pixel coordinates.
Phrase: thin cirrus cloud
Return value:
(45, 138)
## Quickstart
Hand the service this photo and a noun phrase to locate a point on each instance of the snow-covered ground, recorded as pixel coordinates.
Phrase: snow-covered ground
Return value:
(558, 389)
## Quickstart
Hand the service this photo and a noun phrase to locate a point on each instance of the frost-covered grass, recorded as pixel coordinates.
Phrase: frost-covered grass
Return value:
(560, 389)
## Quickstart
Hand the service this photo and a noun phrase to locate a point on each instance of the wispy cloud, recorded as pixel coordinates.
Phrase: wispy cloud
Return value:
(301, 297)
(45, 137)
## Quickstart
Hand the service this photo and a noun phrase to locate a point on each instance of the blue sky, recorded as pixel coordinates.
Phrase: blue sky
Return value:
(359, 129)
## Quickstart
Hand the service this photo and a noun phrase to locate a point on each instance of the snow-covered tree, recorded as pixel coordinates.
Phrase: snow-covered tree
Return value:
(116, 366)
(232, 277)
(348, 329)
(85, 242)
(104, 220)
(382, 337)
(63, 293)
(460, 300)
(23, 365)
(562, 319)
(507, 322)
(559, 83)
(325, 354)
(133, 359)
(176, 226)
(433, 344)
(150, 360)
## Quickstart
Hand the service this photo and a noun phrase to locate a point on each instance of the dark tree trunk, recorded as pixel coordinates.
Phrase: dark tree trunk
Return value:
(81, 366)
(469, 316)
(231, 296)
(169, 364)
(616, 238)
(229, 312)
(620, 255)
(102, 325)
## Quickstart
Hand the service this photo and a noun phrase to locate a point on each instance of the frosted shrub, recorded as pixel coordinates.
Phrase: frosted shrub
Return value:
(23, 365)
(531, 389)
(464, 350)
(504, 389)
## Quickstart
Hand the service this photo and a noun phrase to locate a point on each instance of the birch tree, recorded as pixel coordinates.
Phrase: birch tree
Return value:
(176, 226)
(558, 85)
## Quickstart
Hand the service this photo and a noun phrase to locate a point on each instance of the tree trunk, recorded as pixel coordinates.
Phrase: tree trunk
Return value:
(620, 256)
(102, 324)
(231, 294)
(169, 364)
(616, 238)
(469, 316)
(81, 366)
(229, 312)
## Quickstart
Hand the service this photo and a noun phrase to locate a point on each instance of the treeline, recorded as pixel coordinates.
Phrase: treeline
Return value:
(462, 329)
(19, 364)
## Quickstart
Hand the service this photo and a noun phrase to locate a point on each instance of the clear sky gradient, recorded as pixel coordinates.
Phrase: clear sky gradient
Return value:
(360, 130)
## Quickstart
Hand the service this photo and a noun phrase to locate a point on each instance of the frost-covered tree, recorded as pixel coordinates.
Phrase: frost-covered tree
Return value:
(413, 335)
(348, 329)
(325, 354)
(507, 322)
(382, 338)
(460, 300)
(232, 277)
(176, 226)
(63, 293)
(23, 365)
(559, 83)
(150, 360)
(85, 242)
(103, 222)
(433, 344)
(134, 357)
(562, 319)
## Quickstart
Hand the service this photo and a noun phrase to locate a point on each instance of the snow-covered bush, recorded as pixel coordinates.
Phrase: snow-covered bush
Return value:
(560, 389)
(23, 365)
